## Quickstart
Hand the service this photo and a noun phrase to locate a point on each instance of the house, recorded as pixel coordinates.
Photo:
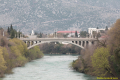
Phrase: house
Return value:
(68, 33)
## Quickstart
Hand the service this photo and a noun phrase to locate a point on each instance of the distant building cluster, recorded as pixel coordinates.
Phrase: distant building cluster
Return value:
(70, 33)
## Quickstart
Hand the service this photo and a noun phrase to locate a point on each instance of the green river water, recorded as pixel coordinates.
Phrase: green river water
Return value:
(50, 67)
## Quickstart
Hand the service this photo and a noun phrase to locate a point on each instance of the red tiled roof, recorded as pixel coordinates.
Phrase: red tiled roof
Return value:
(66, 32)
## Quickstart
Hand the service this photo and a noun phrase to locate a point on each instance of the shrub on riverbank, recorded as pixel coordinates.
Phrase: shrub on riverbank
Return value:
(100, 62)
(102, 59)
(2, 63)
(34, 53)
(18, 51)
(14, 53)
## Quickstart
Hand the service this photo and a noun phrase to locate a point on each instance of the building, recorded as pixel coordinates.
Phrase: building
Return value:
(70, 33)
(32, 35)
(90, 30)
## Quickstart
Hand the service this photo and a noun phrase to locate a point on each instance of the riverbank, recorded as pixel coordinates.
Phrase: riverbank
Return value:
(103, 58)
(14, 53)
(65, 53)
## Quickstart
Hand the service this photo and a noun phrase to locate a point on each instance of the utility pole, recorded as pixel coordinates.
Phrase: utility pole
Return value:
(56, 32)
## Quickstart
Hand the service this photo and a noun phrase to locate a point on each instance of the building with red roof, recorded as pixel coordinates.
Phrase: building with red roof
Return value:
(64, 32)
(70, 33)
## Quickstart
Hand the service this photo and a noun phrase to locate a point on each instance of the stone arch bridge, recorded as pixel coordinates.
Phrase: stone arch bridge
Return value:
(80, 42)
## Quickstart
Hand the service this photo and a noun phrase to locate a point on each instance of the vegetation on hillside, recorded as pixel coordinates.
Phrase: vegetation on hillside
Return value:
(102, 59)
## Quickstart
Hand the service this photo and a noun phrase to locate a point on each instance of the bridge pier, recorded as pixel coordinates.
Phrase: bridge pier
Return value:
(72, 41)
(17, 35)
(81, 43)
(20, 36)
(55, 42)
(30, 43)
(85, 43)
(90, 43)
(26, 42)
(37, 41)
(33, 42)
(78, 42)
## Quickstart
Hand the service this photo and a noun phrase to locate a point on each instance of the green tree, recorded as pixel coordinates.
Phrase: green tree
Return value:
(36, 33)
(11, 28)
(2, 63)
(40, 35)
(18, 52)
(76, 34)
(8, 30)
(65, 35)
(12, 34)
(83, 33)
(34, 53)
(106, 28)
(100, 61)
(114, 40)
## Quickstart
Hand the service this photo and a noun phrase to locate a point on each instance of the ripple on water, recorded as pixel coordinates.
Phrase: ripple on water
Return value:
(54, 67)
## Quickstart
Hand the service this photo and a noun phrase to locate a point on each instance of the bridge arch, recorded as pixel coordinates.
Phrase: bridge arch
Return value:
(81, 44)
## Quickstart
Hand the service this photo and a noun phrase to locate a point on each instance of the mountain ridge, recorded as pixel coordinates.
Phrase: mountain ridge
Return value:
(47, 15)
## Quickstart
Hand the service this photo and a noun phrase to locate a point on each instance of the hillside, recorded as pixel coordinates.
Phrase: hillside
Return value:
(46, 15)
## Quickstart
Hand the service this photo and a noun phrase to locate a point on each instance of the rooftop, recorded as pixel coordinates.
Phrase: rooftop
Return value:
(66, 32)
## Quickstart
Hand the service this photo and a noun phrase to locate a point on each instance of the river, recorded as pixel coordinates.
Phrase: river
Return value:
(50, 67)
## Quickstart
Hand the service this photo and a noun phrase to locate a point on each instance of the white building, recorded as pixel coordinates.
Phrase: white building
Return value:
(32, 35)
(90, 30)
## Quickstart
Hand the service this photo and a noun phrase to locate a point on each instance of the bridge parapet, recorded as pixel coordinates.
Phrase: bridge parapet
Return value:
(58, 39)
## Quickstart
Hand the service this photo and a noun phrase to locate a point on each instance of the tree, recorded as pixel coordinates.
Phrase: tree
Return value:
(11, 28)
(114, 35)
(114, 44)
(36, 33)
(65, 35)
(2, 62)
(76, 35)
(13, 34)
(40, 35)
(8, 30)
(34, 53)
(100, 61)
(83, 33)
(106, 28)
